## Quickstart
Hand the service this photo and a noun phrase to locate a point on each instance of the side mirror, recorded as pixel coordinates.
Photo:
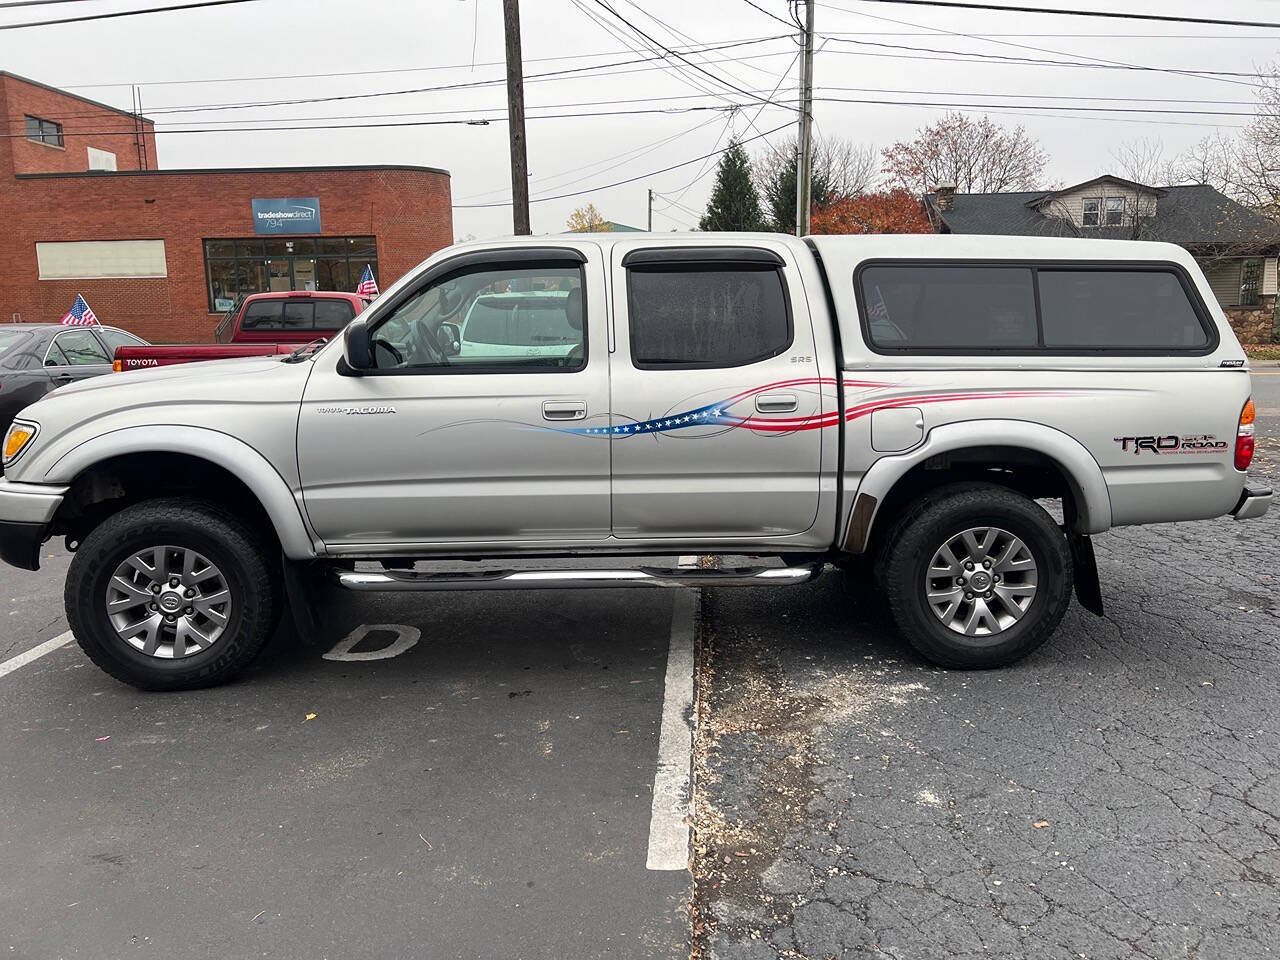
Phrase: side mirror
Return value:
(449, 339)
(357, 346)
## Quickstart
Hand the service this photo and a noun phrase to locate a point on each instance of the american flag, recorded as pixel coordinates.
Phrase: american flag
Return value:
(368, 286)
(79, 315)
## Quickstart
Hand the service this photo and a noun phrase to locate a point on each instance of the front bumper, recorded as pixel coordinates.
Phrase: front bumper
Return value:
(1254, 501)
(26, 510)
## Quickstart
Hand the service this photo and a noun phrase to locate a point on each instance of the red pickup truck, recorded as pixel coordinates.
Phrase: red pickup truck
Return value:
(265, 323)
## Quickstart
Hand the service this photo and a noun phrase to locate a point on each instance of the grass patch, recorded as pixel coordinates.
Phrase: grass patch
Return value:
(1262, 351)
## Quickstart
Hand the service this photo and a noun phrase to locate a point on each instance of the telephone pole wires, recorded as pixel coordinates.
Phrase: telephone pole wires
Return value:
(804, 140)
(515, 119)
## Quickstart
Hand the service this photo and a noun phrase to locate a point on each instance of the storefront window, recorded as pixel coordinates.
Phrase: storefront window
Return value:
(236, 268)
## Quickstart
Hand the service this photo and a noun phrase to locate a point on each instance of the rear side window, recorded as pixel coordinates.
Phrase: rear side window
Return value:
(925, 306)
(333, 314)
(1131, 309)
(261, 315)
(697, 316)
(1031, 308)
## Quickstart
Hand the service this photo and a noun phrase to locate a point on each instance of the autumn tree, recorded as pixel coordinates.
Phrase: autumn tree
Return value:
(891, 211)
(734, 203)
(841, 168)
(587, 220)
(978, 156)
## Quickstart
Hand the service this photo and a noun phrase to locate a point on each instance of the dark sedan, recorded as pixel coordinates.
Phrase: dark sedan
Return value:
(38, 357)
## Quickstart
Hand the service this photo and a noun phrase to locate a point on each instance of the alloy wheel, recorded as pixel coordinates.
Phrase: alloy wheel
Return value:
(168, 602)
(981, 582)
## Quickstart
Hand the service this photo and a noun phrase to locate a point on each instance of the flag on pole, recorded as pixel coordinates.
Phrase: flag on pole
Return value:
(368, 286)
(79, 315)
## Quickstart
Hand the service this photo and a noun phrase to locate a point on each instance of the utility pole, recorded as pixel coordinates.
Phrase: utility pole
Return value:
(515, 119)
(804, 141)
(651, 211)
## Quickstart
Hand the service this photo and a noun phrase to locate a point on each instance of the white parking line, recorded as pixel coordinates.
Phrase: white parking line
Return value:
(669, 819)
(35, 653)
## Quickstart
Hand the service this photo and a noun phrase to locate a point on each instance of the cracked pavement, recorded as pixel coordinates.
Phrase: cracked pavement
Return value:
(1117, 794)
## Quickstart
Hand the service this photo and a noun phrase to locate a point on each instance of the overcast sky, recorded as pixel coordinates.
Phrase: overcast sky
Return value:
(180, 60)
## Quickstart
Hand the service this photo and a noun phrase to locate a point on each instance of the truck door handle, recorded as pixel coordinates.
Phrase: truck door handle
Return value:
(776, 402)
(564, 409)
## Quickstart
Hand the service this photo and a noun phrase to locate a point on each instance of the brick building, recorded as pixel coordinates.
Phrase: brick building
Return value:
(165, 253)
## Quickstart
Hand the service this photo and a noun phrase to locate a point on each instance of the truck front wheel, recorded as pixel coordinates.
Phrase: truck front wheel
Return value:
(978, 577)
(173, 594)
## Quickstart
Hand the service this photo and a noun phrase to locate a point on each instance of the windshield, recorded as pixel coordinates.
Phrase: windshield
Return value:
(10, 339)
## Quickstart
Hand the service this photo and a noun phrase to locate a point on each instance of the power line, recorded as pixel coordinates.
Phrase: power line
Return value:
(961, 56)
(767, 13)
(464, 85)
(1109, 14)
(626, 157)
(619, 183)
(122, 13)
(472, 121)
(716, 45)
(678, 56)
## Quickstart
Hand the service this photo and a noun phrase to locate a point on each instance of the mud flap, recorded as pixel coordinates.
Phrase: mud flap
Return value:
(1088, 589)
(299, 578)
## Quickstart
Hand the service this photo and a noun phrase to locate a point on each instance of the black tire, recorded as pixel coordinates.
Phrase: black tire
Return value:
(244, 558)
(910, 547)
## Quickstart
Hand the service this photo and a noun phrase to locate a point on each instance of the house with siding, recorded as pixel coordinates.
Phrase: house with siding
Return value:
(1236, 247)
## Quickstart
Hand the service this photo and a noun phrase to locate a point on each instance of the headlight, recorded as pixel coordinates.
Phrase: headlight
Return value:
(19, 437)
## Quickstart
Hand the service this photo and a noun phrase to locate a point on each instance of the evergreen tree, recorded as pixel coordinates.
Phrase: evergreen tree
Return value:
(780, 193)
(734, 203)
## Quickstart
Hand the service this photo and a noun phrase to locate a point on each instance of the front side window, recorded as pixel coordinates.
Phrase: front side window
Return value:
(707, 316)
(43, 131)
(934, 307)
(1115, 211)
(1124, 309)
(489, 319)
(76, 348)
(1092, 212)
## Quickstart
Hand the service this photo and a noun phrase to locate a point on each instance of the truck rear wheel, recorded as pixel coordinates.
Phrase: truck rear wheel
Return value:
(978, 577)
(173, 594)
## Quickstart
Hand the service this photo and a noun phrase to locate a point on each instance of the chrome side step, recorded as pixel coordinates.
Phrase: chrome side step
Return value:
(409, 580)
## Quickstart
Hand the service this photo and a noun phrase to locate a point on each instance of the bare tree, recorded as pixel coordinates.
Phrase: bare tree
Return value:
(1144, 161)
(841, 168)
(1247, 167)
(978, 156)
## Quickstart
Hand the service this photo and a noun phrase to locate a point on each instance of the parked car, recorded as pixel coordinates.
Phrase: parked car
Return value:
(896, 403)
(265, 323)
(38, 357)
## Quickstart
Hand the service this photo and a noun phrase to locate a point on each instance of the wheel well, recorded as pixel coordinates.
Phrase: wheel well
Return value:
(1029, 472)
(111, 485)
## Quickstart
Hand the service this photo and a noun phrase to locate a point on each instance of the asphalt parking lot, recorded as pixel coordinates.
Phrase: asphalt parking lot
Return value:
(1117, 794)
(489, 790)
(486, 793)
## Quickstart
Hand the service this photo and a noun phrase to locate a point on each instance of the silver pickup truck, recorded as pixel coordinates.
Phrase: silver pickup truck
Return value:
(897, 406)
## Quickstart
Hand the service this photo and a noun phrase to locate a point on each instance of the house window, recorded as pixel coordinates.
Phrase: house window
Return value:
(1092, 211)
(1250, 283)
(1115, 211)
(236, 268)
(44, 131)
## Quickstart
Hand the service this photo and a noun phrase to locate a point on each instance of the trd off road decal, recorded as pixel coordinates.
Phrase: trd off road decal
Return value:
(1173, 444)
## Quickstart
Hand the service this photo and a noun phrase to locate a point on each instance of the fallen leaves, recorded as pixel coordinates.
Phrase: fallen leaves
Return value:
(1040, 824)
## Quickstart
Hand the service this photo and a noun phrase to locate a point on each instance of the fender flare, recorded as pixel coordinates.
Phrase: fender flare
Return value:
(232, 454)
(1084, 475)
